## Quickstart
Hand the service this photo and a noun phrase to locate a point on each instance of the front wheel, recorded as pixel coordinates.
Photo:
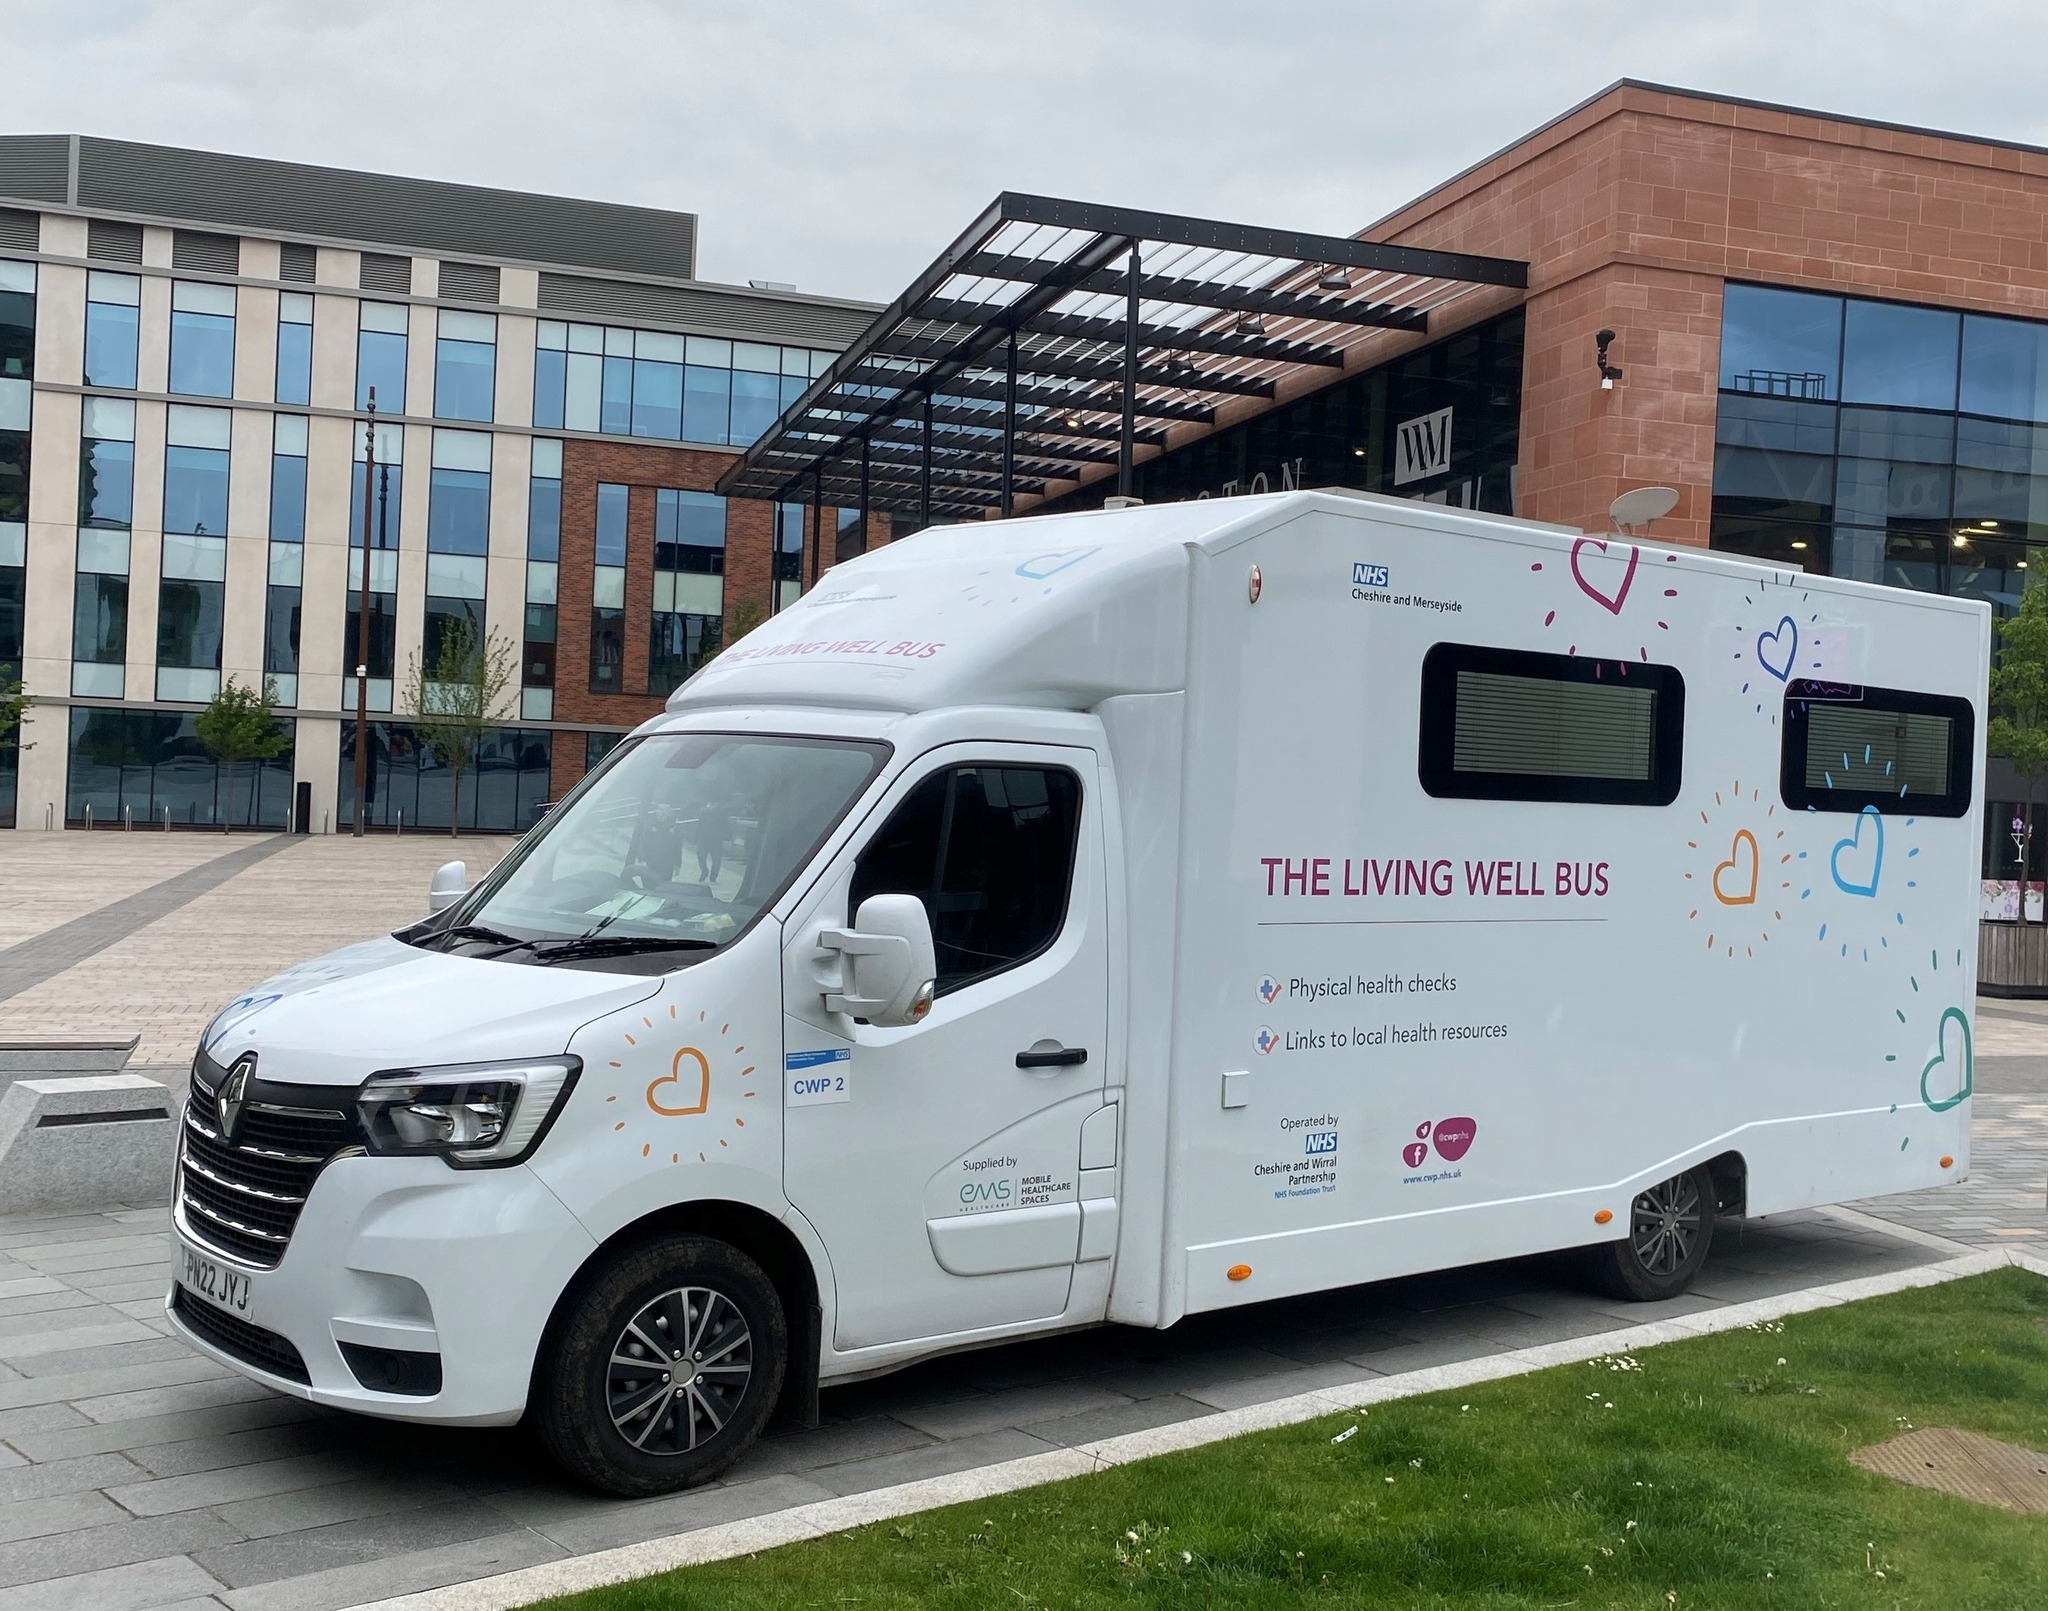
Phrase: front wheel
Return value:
(665, 1369)
(1670, 1228)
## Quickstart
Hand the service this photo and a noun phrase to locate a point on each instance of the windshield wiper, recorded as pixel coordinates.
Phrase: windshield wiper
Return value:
(477, 931)
(617, 945)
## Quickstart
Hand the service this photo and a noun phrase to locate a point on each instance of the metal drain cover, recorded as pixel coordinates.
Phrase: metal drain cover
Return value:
(1964, 1464)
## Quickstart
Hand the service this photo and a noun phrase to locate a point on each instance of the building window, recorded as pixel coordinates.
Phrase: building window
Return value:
(288, 478)
(295, 348)
(282, 603)
(99, 616)
(689, 585)
(612, 502)
(756, 391)
(544, 503)
(607, 650)
(502, 792)
(459, 496)
(1881, 441)
(150, 765)
(382, 561)
(596, 746)
(384, 512)
(656, 384)
(380, 356)
(17, 321)
(188, 633)
(543, 556)
(106, 464)
(196, 470)
(113, 310)
(465, 366)
(202, 339)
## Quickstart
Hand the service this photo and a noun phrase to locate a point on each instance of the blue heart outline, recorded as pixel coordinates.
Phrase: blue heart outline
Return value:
(1869, 813)
(1775, 635)
(1969, 1082)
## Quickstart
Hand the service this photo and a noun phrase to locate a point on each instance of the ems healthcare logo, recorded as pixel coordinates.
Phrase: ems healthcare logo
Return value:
(1269, 989)
(1265, 1040)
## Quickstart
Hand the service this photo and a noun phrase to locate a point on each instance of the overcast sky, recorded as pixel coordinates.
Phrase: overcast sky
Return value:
(842, 143)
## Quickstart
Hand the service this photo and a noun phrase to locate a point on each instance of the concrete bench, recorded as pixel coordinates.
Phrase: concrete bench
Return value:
(50, 1055)
(87, 1141)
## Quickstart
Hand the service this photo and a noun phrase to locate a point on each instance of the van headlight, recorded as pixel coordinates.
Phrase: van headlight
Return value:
(472, 1114)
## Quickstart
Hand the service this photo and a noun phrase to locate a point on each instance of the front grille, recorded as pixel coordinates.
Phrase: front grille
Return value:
(243, 1196)
(252, 1345)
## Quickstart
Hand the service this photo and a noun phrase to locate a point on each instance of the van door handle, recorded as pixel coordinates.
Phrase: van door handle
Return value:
(1065, 1057)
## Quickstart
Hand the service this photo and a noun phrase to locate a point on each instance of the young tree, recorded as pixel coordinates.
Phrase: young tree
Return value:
(746, 615)
(2019, 701)
(240, 724)
(14, 702)
(450, 700)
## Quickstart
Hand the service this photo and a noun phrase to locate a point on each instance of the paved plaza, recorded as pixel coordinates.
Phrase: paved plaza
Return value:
(134, 1474)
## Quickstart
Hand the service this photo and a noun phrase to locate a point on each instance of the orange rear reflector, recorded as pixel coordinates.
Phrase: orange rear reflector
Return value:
(1948, 1163)
(1603, 1216)
(1239, 1272)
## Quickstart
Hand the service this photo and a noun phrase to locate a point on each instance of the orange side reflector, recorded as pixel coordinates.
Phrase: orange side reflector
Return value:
(1603, 1216)
(1948, 1163)
(1239, 1272)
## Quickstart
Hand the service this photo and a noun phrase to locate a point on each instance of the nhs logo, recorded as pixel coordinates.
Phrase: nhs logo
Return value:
(1318, 1143)
(1363, 575)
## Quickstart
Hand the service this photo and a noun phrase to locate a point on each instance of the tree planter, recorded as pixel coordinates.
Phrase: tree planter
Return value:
(2012, 959)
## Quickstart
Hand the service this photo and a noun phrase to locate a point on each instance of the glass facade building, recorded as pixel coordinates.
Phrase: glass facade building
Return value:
(1882, 441)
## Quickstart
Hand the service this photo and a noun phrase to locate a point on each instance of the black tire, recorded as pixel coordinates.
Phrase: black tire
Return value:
(635, 1432)
(1671, 1227)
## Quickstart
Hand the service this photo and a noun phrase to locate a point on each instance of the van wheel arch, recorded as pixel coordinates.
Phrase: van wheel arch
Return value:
(764, 1239)
(1731, 1185)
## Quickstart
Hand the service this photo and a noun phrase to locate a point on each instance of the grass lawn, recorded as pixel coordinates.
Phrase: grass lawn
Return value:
(1704, 1473)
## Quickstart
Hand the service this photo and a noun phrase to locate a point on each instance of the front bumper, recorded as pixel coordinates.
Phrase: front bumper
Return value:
(408, 1254)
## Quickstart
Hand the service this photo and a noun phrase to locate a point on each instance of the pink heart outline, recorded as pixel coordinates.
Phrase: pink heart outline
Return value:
(1611, 605)
(1454, 1137)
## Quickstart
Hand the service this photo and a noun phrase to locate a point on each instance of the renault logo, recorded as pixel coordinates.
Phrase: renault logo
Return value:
(232, 1090)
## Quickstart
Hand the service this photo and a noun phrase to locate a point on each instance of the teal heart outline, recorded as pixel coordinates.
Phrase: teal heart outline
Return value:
(1941, 1056)
(1868, 813)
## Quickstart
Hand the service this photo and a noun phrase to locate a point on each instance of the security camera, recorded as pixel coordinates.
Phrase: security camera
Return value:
(1603, 339)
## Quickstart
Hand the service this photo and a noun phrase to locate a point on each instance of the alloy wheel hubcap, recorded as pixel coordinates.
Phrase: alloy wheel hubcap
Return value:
(1665, 1226)
(678, 1370)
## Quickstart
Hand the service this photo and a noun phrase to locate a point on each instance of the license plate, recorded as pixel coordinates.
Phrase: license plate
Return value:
(213, 1282)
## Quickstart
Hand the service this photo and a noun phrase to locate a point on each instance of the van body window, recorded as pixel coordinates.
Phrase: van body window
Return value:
(990, 851)
(1507, 724)
(1848, 746)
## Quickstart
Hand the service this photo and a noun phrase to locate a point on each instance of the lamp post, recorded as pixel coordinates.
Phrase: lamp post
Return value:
(363, 627)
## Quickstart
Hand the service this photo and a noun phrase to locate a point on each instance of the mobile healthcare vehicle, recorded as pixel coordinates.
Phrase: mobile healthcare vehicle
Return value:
(1116, 916)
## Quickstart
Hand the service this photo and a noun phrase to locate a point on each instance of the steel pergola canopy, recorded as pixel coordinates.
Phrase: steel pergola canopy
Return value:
(1054, 337)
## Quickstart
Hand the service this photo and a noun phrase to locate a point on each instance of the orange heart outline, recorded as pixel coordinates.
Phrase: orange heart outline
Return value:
(674, 1074)
(1742, 837)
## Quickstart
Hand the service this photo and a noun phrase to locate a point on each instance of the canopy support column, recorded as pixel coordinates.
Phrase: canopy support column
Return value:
(1128, 434)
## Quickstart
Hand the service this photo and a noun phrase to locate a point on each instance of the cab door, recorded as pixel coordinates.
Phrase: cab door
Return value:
(939, 1163)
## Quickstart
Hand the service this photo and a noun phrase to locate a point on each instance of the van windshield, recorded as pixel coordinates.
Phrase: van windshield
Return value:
(677, 844)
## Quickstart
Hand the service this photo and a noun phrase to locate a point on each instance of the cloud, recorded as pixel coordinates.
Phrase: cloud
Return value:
(841, 145)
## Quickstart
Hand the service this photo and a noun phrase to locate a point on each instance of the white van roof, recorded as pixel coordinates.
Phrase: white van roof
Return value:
(1058, 612)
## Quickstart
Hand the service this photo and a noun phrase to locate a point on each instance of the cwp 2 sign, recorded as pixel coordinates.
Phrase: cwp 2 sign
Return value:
(810, 1079)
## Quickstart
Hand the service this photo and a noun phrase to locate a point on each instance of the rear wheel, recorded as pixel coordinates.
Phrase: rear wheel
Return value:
(1670, 1228)
(665, 1369)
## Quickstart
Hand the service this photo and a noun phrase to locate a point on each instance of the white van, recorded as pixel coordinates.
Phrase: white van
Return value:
(1116, 916)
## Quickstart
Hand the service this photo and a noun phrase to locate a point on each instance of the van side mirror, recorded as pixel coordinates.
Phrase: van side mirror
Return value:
(451, 883)
(888, 967)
